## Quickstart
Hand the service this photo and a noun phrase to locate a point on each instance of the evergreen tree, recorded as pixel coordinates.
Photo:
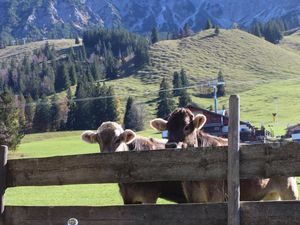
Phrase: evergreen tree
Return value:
(71, 120)
(184, 99)
(77, 40)
(41, 121)
(9, 124)
(154, 35)
(186, 30)
(127, 119)
(221, 87)
(257, 29)
(134, 116)
(82, 115)
(184, 79)
(55, 117)
(272, 32)
(166, 103)
(72, 74)
(62, 81)
(21, 106)
(177, 84)
(217, 30)
(29, 112)
(209, 25)
(112, 106)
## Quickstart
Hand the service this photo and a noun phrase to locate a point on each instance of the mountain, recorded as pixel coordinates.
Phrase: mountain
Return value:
(53, 18)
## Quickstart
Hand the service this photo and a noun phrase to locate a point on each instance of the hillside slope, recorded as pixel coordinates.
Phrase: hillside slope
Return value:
(292, 42)
(266, 76)
(21, 50)
(244, 59)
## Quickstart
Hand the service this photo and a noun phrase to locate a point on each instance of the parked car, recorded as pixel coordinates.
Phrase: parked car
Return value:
(296, 135)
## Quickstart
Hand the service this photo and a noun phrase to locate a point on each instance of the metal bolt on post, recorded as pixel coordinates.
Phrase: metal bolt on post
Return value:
(72, 221)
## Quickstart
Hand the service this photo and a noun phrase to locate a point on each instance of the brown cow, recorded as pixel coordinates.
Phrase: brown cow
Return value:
(184, 130)
(112, 138)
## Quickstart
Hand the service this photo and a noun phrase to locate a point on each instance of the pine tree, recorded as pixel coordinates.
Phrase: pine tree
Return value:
(184, 79)
(55, 117)
(166, 103)
(127, 120)
(70, 125)
(134, 116)
(77, 40)
(209, 25)
(83, 113)
(257, 29)
(186, 30)
(29, 112)
(9, 124)
(21, 106)
(62, 81)
(217, 30)
(112, 106)
(177, 84)
(72, 74)
(273, 32)
(154, 35)
(41, 121)
(184, 99)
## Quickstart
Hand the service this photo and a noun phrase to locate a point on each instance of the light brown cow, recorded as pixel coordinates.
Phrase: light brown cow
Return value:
(184, 131)
(112, 138)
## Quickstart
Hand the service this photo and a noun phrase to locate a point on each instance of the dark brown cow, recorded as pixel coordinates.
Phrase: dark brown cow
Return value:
(112, 138)
(184, 131)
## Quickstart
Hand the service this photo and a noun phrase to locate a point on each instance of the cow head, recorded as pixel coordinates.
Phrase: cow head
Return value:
(182, 128)
(110, 136)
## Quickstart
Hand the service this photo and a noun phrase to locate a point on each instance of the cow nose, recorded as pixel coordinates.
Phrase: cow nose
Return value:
(171, 145)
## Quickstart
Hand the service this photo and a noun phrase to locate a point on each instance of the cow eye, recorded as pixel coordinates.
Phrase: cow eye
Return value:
(187, 129)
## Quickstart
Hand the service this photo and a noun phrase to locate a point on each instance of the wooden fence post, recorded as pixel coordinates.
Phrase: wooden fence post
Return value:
(233, 161)
(3, 162)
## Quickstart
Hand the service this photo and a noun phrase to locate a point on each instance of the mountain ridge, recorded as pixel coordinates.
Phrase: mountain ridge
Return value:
(60, 18)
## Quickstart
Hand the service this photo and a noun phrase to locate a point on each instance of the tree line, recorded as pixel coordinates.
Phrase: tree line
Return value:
(271, 31)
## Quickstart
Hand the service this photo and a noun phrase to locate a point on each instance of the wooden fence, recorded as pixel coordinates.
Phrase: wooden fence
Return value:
(250, 161)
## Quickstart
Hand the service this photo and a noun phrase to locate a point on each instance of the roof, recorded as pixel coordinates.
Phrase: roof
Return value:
(293, 126)
(190, 107)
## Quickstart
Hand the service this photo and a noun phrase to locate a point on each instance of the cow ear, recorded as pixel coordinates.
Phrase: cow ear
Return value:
(159, 124)
(199, 121)
(89, 137)
(128, 136)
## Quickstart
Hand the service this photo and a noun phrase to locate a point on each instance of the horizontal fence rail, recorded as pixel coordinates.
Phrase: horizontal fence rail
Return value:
(252, 213)
(256, 161)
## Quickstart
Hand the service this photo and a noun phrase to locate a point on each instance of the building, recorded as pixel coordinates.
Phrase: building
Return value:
(293, 132)
(291, 129)
(217, 124)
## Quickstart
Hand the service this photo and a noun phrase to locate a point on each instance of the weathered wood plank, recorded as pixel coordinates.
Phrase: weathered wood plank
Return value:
(3, 162)
(233, 179)
(119, 215)
(252, 213)
(193, 164)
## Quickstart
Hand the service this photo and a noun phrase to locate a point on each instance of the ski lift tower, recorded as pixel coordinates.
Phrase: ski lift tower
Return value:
(214, 84)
